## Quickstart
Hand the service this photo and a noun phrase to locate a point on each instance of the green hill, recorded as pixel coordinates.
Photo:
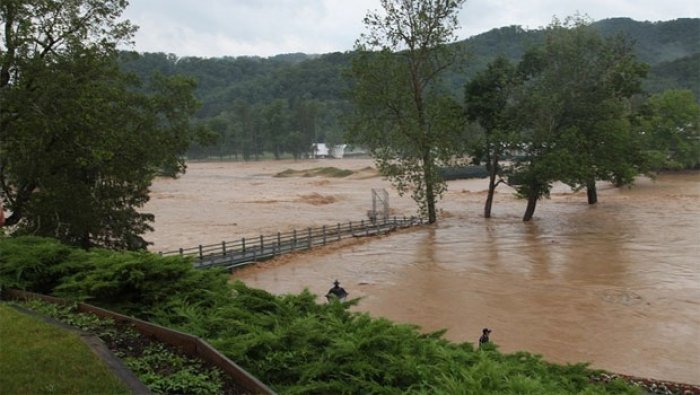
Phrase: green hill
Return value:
(305, 94)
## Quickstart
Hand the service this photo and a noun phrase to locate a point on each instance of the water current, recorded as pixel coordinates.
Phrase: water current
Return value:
(616, 284)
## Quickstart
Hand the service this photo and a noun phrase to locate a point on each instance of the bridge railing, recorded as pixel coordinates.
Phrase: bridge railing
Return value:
(243, 251)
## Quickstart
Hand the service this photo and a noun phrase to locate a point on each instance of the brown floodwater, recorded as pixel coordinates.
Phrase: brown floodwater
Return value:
(616, 284)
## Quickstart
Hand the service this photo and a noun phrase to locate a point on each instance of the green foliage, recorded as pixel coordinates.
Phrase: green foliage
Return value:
(402, 113)
(681, 73)
(572, 109)
(280, 89)
(318, 171)
(127, 281)
(103, 328)
(670, 127)
(186, 376)
(37, 264)
(487, 99)
(160, 368)
(299, 346)
(657, 42)
(80, 141)
(39, 358)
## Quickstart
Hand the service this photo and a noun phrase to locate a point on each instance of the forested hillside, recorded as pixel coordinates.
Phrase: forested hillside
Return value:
(282, 103)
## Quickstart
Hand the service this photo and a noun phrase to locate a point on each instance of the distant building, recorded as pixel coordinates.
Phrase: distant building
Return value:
(321, 150)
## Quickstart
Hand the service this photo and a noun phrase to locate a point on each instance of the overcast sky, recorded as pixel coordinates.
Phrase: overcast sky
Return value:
(213, 28)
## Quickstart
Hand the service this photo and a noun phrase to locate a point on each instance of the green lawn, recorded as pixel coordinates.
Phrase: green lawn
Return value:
(39, 358)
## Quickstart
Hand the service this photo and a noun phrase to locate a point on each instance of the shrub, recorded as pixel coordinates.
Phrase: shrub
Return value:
(137, 282)
(297, 345)
(38, 264)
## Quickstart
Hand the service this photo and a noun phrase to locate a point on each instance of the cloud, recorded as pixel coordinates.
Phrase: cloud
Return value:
(481, 16)
(249, 27)
(212, 28)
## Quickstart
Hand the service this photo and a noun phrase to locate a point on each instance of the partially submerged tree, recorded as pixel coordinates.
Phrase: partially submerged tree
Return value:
(574, 111)
(402, 116)
(603, 74)
(487, 99)
(79, 145)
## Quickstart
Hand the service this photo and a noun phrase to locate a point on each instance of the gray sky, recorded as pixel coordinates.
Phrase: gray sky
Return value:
(212, 28)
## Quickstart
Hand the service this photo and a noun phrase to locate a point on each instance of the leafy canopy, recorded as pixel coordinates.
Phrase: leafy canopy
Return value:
(80, 143)
(402, 114)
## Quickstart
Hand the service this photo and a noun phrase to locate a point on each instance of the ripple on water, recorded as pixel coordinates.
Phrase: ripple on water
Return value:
(617, 285)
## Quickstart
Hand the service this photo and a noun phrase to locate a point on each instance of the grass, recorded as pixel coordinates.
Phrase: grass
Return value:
(39, 358)
(163, 369)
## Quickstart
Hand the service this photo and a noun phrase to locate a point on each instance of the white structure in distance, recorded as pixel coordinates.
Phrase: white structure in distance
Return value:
(321, 150)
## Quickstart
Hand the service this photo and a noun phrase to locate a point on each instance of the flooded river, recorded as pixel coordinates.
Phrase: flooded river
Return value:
(616, 284)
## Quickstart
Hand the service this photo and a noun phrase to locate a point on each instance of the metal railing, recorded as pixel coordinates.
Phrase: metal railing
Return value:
(232, 254)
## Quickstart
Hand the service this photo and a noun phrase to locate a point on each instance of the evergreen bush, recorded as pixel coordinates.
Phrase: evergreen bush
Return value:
(290, 341)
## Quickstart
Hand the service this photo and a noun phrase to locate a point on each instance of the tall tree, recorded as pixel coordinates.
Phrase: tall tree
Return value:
(574, 104)
(601, 75)
(487, 98)
(276, 125)
(79, 145)
(402, 116)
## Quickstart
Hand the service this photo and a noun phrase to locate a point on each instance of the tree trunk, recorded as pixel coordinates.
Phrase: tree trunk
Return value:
(493, 170)
(432, 216)
(489, 200)
(592, 193)
(22, 198)
(531, 204)
(429, 192)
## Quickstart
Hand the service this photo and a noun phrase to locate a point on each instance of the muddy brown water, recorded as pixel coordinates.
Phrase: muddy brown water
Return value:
(616, 284)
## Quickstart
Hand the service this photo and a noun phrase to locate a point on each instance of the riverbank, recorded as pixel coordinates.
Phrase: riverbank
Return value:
(616, 284)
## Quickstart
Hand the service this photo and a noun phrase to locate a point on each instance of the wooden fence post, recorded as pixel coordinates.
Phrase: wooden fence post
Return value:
(262, 244)
(243, 244)
(309, 238)
(200, 253)
(294, 241)
(223, 247)
(279, 244)
(324, 234)
(338, 231)
(181, 252)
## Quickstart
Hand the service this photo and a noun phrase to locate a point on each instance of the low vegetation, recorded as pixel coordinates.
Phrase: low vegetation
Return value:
(161, 368)
(316, 172)
(289, 342)
(39, 358)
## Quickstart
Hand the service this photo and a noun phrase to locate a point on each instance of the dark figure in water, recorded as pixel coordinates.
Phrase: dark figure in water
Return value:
(337, 292)
(484, 336)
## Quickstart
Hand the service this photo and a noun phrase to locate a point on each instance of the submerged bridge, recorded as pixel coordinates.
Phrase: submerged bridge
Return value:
(237, 253)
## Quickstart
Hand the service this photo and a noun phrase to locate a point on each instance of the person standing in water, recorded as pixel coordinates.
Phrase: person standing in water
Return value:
(336, 292)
